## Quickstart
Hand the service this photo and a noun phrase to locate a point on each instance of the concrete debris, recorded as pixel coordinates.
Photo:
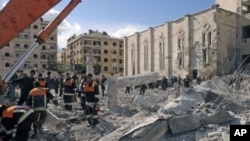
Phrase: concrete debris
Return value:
(183, 104)
(218, 117)
(201, 113)
(184, 124)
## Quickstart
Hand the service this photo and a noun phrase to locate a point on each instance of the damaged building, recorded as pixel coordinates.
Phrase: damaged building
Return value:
(212, 41)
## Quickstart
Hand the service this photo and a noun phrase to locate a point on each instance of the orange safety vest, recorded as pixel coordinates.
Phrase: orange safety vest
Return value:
(68, 82)
(88, 88)
(9, 112)
(38, 91)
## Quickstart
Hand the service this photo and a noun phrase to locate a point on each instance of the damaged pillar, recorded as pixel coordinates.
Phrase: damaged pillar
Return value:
(114, 84)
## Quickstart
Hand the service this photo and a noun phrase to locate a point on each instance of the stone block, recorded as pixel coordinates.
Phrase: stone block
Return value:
(218, 117)
(225, 136)
(184, 124)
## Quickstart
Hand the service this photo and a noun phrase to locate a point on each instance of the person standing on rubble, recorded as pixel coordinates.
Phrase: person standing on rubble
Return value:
(17, 122)
(81, 90)
(49, 81)
(11, 89)
(61, 78)
(42, 82)
(69, 91)
(186, 82)
(103, 80)
(143, 88)
(27, 85)
(37, 100)
(164, 83)
(90, 88)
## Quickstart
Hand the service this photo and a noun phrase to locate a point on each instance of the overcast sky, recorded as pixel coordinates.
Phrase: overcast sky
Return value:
(121, 17)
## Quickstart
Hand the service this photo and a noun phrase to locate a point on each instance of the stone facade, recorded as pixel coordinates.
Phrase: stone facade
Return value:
(107, 52)
(206, 42)
(20, 44)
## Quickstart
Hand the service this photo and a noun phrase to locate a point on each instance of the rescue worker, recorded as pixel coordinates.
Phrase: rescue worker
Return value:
(16, 119)
(42, 82)
(69, 93)
(37, 100)
(61, 78)
(27, 85)
(80, 88)
(90, 88)
(103, 80)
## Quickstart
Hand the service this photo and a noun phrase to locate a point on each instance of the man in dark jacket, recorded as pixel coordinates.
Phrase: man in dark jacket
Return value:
(104, 79)
(27, 85)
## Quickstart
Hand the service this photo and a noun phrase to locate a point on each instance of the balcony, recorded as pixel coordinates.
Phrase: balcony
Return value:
(246, 2)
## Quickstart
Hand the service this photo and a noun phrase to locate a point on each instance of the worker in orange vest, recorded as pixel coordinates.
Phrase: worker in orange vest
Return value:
(90, 89)
(37, 100)
(16, 119)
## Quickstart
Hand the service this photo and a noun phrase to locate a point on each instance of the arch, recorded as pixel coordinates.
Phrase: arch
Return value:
(105, 68)
(6, 54)
(105, 60)
(7, 64)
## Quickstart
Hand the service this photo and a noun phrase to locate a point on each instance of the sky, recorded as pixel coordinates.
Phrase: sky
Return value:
(120, 18)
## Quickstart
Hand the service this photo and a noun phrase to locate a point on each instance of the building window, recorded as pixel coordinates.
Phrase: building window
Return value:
(246, 31)
(7, 44)
(44, 66)
(179, 44)
(35, 27)
(17, 54)
(26, 36)
(52, 38)
(26, 46)
(114, 52)
(6, 54)
(52, 47)
(105, 43)
(85, 51)
(146, 57)
(203, 39)
(120, 61)
(114, 60)
(121, 45)
(161, 56)
(114, 44)
(106, 69)
(35, 36)
(43, 56)
(121, 69)
(17, 46)
(114, 69)
(209, 38)
(105, 51)
(105, 60)
(35, 65)
(52, 56)
(7, 64)
(35, 56)
(43, 47)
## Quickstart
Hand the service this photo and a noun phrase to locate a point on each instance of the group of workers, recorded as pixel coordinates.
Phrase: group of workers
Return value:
(31, 108)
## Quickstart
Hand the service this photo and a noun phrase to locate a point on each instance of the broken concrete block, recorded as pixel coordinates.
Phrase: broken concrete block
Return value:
(212, 134)
(225, 136)
(183, 124)
(148, 133)
(141, 101)
(155, 107)
(218, 117)
(60, 136)
(183, 104)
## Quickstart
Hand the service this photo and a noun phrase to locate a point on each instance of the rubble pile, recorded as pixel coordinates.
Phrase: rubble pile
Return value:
(201, 113)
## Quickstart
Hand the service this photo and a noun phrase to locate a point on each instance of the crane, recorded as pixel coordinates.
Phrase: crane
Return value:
(17, 15)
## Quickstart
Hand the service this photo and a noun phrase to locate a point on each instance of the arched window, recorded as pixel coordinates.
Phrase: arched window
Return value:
(52, 38)
(105, 43)
(35, 36)
(43, 47)
(17, 46)
(105, 51)
(114, 44)
(35, 56)
(7, 64)
(35, 26)
(6, 54)
(114, 60)
(26, 46)
(43, 56)
(44, 66)
(106, 69)
(105, 60)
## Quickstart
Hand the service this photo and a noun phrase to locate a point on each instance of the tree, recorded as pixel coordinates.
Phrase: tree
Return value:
(52, 64)
(97, 69)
